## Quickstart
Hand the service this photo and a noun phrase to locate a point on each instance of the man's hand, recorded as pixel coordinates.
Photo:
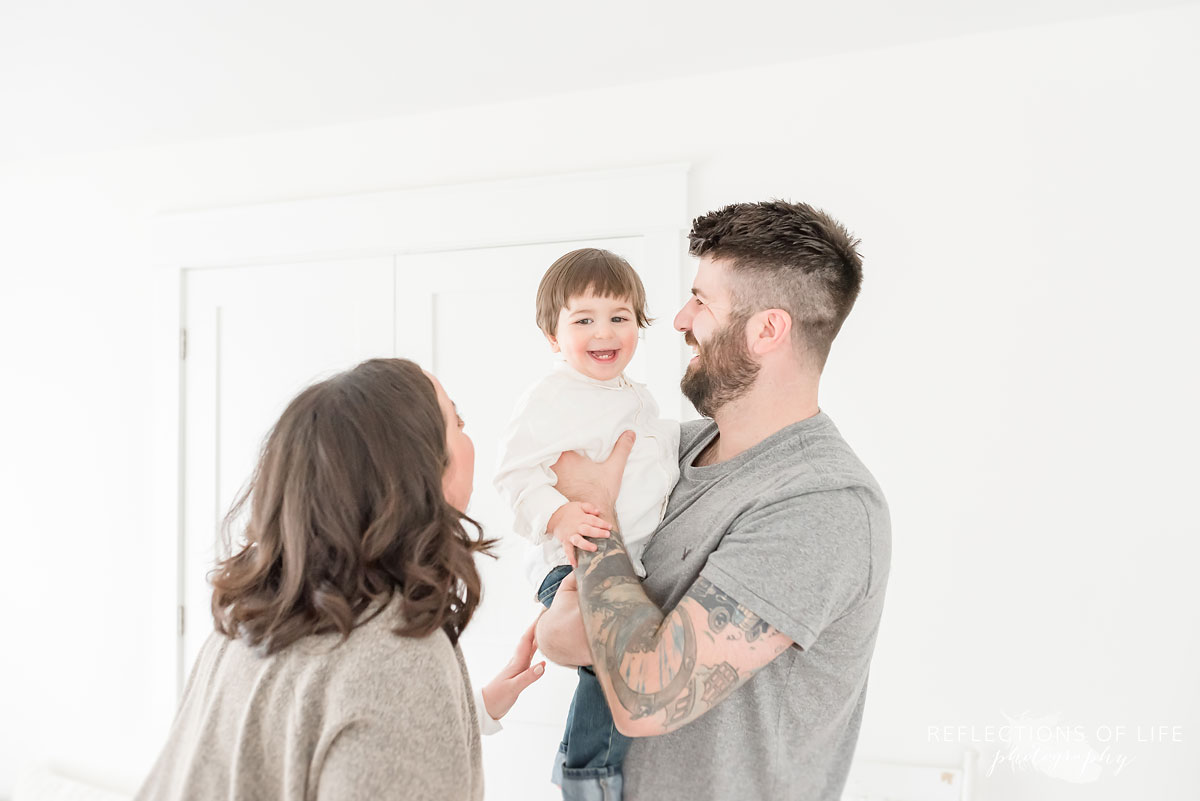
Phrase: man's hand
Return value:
(573, 523)
(560, 629)
(501, 692)
(597, 483)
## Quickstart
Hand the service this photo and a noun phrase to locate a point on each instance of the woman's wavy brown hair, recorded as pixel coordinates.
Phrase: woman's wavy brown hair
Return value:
(346, 509)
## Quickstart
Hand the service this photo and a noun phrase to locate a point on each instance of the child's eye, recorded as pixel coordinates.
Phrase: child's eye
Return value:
(619, 319)
(583, 321)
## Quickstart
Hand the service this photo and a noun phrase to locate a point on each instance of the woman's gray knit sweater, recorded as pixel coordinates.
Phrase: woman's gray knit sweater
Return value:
(376, 717)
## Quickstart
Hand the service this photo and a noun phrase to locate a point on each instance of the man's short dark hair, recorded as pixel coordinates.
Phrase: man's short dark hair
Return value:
(786, 256)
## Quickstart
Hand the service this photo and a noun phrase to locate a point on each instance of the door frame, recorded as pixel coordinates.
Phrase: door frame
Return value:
(648, 202)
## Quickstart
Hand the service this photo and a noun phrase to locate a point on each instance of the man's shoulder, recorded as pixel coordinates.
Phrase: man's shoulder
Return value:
(810, 474)
(692, 431)
(816, 458)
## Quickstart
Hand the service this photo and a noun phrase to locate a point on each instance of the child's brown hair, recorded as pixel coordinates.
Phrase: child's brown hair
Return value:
(593, 270)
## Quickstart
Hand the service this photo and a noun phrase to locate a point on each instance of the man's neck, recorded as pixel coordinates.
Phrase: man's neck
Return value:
(768, 407)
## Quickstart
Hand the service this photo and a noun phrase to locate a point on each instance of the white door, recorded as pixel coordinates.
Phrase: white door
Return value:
(255, 337)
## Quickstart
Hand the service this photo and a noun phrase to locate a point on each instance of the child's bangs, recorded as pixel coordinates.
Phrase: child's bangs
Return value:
(606, 281)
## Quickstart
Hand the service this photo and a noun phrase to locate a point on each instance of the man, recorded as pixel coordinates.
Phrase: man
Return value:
(741, 660)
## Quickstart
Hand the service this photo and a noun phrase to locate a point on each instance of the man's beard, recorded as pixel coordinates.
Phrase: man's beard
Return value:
(725, 370)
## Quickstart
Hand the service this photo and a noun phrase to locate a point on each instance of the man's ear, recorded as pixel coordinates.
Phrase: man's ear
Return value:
(769, 330)
(553, 340)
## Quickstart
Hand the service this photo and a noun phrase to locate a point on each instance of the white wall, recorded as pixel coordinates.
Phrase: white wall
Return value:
(1019, 372)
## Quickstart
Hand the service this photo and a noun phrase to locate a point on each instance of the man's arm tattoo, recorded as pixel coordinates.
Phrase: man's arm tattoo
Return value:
(723, 610)
(626, 630)
(675, 666)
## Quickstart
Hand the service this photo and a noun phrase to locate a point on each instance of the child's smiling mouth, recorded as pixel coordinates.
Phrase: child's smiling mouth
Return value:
(603, 355)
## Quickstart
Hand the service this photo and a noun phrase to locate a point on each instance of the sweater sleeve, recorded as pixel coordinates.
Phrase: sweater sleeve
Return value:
(404, 725)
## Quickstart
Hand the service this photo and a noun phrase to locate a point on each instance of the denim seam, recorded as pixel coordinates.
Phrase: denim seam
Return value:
(591, 773)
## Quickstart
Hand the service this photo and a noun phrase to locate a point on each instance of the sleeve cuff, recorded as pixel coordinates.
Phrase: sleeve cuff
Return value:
(535, 508)
(486, 724)
(798, 632)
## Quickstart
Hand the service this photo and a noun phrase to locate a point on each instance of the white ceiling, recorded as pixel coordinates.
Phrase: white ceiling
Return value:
(88, 75)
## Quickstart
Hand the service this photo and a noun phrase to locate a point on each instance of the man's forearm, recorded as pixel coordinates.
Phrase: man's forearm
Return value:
(561, 637)
(625, 630)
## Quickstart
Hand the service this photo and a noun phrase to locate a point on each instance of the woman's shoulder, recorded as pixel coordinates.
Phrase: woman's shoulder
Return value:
(374, 640)
(398, 715)
(375, 662)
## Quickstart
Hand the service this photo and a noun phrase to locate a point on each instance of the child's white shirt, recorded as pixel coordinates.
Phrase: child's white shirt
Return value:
(569, 411)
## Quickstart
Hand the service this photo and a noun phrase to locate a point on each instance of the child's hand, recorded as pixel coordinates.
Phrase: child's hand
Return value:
(501, 692)
(573, 523)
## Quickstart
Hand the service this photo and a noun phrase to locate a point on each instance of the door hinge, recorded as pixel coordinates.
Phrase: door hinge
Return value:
(182, 344)
(181, 618)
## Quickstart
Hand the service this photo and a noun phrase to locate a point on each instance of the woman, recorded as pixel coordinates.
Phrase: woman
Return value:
(334, 671)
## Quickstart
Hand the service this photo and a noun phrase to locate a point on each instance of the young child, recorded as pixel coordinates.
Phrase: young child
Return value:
(590, 305)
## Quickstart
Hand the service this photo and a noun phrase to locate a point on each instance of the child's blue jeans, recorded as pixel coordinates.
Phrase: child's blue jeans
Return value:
(588, 765)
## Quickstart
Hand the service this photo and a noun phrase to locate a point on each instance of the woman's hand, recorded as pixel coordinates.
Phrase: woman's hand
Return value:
(501, 692)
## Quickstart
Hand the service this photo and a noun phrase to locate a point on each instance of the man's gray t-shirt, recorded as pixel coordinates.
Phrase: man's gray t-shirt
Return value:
(797, 530)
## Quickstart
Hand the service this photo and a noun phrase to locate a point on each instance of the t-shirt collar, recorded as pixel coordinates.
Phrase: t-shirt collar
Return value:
(783, 435)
